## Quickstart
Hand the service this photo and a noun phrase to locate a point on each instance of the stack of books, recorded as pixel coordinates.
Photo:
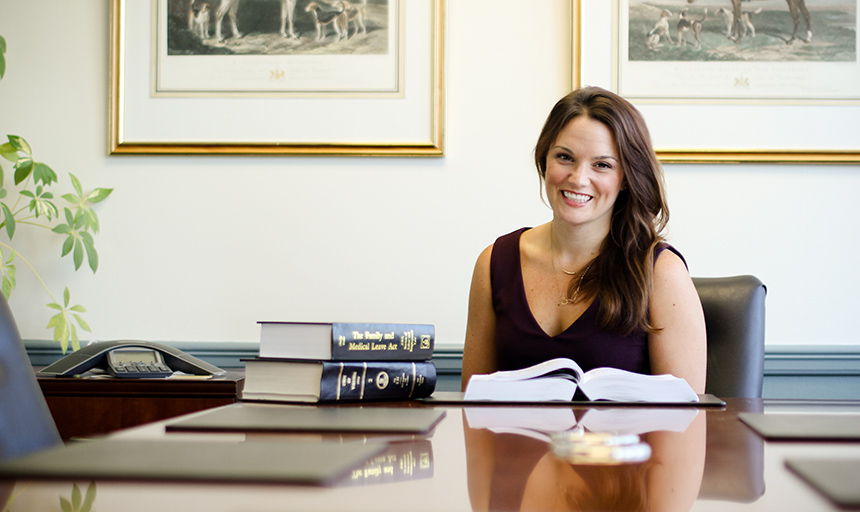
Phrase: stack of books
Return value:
(332, 362)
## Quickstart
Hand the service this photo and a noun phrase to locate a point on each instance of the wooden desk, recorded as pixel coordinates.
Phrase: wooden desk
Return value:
(476, 469)
(89, 407)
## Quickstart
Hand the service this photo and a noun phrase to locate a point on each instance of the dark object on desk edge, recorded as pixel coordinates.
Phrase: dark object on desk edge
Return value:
(804, 427)
(280, 461)
(280, 418)
(456, 397)
(834, 478)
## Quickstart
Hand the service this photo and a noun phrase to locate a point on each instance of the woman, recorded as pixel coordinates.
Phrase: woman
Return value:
(597, 283)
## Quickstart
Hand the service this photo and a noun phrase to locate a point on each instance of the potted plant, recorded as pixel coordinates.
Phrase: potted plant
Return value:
(28, 202)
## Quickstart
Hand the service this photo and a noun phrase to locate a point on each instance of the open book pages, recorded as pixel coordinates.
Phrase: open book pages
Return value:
(557, 379)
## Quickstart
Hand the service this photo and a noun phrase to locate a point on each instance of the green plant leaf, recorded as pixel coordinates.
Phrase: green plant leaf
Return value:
(23, 169)
(43, 173)
(65, 505)
(90, 498)
(62, 229)
(8, 152)
(82, 323)
(20, 144)
(40, 202)
(78, 254)
(9, 272)
(80, 220)
(68, 245)
(77, 184)
(92, 219)
(65, 330)
(9, 218)
(98, 195)
(8, 286)
(92, 257)
(2, 57)
(76, 497)
(90, 246)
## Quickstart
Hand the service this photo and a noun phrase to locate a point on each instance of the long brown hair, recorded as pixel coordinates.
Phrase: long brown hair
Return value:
(622, 275)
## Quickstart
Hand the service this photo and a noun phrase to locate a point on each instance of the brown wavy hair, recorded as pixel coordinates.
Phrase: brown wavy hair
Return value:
(622, 275)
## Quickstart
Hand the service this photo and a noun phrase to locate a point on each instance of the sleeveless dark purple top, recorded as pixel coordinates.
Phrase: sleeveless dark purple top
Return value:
(520, 340)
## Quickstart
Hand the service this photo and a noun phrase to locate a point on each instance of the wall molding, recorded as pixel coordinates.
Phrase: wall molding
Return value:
(790, 371)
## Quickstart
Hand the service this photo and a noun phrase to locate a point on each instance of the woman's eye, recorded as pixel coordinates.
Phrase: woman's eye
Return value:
(564, 157)
(603, 166)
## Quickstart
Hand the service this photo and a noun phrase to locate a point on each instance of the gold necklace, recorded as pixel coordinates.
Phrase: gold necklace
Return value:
(565, 301)
(569, 302)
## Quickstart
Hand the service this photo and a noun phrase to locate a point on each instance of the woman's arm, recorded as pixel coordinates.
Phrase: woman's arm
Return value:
(680, 347)
(479, 351)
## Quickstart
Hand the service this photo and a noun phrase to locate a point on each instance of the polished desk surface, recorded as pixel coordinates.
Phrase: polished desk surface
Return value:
(86, 407)
(716, 463)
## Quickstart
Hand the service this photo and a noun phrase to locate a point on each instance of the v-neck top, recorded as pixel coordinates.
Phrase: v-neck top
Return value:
(522, 342)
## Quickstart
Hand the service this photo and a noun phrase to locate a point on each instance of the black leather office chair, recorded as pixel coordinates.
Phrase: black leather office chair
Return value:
(26, 424)
(734, 318)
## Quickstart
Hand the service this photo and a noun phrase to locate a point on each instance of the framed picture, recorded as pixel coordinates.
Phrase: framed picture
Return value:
(297, 77)
(730, 80)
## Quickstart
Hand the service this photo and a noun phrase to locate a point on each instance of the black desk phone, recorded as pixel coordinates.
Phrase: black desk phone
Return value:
(130, 359)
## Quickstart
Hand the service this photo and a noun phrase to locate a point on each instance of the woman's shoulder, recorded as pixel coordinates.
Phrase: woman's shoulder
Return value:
(667, 252)
(504, 243)
(513, 236)
(507, 243)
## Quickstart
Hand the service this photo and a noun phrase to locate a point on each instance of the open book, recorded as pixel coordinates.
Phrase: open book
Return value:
(558, 379)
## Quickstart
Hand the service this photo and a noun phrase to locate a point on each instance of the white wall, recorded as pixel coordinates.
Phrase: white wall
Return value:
(199, 248)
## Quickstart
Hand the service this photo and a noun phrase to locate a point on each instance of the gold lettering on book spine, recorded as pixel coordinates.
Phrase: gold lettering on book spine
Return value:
(408, 341)
(339, 380)
(363, 377)
(375, 336)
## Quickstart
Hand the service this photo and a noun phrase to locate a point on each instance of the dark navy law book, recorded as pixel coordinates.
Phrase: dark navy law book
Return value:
(347, 341)
(290, 380)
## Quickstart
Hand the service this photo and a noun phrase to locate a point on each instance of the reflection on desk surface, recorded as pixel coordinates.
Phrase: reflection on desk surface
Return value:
(509, 471)
(716, 463)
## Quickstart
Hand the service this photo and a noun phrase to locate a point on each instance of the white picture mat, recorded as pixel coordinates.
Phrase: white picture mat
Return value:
(408, 120)
(799, 131)
(794, 80)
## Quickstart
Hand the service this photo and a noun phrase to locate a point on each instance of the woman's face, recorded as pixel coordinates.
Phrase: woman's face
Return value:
(583, 174)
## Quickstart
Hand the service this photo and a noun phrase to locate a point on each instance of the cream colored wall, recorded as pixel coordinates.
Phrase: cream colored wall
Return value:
(197, 248)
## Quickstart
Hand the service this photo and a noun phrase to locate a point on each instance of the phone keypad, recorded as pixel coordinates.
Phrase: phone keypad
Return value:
(138, 370)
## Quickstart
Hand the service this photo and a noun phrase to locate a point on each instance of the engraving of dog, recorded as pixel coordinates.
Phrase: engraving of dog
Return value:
(688, 26)
(229, 8)
(661, 29)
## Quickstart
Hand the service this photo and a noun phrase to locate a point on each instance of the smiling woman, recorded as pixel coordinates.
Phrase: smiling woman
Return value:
(598, 283)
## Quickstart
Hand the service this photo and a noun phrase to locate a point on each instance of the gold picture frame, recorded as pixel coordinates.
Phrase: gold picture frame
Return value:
(408, 122)
(720, 129)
